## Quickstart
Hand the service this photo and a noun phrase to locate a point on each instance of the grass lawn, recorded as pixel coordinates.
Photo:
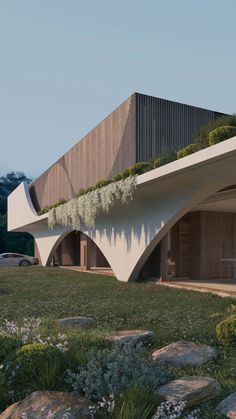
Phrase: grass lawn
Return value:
(173, 314)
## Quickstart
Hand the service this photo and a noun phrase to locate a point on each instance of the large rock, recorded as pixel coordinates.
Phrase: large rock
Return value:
(228, 406)
(182, 353)
(131, 335)
(75, 321)
(40, 404)
(192, 390)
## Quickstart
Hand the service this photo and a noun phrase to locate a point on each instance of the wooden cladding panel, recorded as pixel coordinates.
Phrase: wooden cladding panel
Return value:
(67, 250)
(218, 232)
(184, 247)
(195, 245)
(180, 247)
(199, 241)
(140, 129)
(106, 150)
(213, 236)
(163, 125)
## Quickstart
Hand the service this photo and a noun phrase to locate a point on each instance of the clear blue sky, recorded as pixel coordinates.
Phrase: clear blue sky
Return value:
(65, 65)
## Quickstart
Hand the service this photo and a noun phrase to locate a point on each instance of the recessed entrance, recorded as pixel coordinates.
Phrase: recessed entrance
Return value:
(78, 250)
(200, 246)
(152, 267)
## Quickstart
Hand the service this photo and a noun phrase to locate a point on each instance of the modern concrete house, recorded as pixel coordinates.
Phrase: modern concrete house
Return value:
(181, 221)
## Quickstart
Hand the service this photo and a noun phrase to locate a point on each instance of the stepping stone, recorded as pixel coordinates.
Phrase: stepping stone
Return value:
(75, 321)
(192, 390)
(43, 404)
(228, 406)
(183, 353)
(131, 335)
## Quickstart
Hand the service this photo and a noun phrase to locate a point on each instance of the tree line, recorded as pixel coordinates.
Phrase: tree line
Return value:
(12, 242)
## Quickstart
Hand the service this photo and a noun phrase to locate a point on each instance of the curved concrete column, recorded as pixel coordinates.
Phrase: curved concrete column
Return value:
(47, 242)
(128, 233)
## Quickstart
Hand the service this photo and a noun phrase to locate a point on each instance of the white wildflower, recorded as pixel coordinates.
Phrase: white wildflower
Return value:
(170, 410)
(27, 331)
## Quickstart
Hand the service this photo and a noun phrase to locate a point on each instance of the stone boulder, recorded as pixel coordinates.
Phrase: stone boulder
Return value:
(42, 403)
(183, 353)
(192, 390)
(75, 321)
(228, 406)
(131, 335)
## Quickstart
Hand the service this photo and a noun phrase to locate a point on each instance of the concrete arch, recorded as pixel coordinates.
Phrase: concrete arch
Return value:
(177, 213)
(163, 196)
(60, 239)
(128, 233)
(56, 245)
(194, 198)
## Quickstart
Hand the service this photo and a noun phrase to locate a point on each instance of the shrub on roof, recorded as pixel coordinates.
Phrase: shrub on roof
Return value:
(117, 177)
(189, 149)
(80, 193)
(135, 170)
(90, 189)
(222, 133)
(202, 134)
(102, 183)
(125, 173)
(140, 168)
(165, 158)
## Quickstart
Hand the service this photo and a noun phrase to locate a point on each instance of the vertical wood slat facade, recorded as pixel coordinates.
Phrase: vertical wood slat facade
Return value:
(163, 125)
(208, 237)
(140, 129)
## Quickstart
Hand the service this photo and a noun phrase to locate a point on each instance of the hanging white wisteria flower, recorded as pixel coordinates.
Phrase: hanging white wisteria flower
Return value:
(85, 208)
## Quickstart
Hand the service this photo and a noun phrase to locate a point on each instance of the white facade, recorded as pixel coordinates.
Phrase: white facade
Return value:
(128, 233)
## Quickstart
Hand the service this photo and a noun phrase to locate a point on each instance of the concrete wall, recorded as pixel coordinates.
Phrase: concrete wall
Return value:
(128, 234)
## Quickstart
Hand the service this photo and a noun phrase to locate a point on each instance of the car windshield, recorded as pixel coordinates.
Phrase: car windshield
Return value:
(11, 255)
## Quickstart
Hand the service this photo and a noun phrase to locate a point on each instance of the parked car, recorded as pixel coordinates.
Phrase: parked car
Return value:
(16, 259)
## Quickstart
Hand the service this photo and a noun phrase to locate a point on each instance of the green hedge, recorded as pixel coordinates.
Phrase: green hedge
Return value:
(189, 149)
(226, 331)
(222, 133)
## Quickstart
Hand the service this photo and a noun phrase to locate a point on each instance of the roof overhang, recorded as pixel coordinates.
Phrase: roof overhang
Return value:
(23, 217)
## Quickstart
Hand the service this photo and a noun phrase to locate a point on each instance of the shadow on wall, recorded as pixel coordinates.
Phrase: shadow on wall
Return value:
(51, 179)
(148, 220)
(125, 154)
(105, 151)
